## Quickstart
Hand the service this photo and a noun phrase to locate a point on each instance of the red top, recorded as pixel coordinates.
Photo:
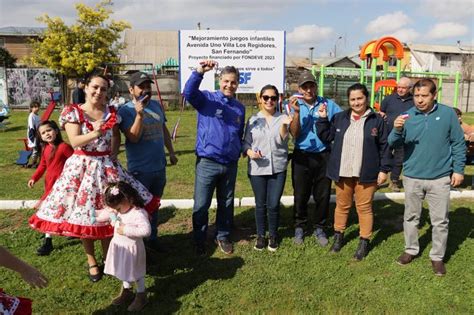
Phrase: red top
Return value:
(54, 166)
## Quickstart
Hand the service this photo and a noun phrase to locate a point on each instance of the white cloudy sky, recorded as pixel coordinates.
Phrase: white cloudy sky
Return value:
(308, 23)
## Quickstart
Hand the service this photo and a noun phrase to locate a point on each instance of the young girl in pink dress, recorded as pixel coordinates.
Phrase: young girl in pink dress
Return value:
(70, 207)
(54, 153)
(126, 258)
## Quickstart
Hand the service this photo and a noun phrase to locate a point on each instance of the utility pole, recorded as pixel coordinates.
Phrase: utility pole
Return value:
(335, 46)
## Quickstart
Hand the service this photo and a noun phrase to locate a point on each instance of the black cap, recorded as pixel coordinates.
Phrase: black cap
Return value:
(306, 77)
(138, 78)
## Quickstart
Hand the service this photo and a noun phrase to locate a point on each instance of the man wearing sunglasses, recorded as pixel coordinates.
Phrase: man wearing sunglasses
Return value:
(310, 157)
(220, 129)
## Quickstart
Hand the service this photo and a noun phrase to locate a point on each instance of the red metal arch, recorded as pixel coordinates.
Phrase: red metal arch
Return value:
(363, 55)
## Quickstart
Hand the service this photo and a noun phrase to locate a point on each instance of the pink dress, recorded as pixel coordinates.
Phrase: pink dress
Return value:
(126, 258)
(70, 207)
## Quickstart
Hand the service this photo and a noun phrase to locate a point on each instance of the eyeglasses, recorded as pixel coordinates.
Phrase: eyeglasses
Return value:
(266, 98)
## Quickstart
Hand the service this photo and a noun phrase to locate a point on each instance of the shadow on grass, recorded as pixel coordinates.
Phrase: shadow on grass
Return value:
(461, 225)
(183, 152)
(165, 214)
(12, 129)
(178, 273)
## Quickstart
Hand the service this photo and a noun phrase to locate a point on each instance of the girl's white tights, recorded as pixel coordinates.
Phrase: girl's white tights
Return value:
(140, 285)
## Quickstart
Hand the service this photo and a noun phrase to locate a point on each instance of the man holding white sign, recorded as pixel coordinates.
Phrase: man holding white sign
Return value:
(220, 128)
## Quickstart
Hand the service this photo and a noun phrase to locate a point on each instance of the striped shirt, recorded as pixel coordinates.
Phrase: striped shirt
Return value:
(352, 147)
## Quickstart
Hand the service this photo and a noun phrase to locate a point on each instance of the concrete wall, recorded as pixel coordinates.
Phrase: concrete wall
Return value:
(150, 46)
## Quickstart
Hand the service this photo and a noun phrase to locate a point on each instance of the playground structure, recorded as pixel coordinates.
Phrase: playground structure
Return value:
(383, 81)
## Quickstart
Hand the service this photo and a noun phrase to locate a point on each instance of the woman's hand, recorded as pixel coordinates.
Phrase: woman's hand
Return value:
(96, 125)
(287, 121)
(381, 178)
(254, 155)
(323, 111)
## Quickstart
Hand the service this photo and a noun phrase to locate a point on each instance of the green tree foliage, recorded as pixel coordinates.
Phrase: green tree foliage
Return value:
(6, 59)
(80, 48)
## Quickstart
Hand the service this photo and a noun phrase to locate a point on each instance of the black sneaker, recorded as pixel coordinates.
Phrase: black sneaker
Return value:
(46, 248)
(259, 243)
(273, 244)
(225, 246)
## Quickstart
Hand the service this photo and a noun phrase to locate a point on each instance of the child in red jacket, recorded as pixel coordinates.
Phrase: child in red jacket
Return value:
(54, 153)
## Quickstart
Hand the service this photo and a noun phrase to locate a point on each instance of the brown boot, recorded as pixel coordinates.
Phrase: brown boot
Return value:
(139, 303)
(125, 296)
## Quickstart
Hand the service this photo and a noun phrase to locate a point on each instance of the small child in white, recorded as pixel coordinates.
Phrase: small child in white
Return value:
(126, 257)
(33, 124)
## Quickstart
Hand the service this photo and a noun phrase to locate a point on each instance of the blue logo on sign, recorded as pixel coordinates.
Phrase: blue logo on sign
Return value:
(245, 77)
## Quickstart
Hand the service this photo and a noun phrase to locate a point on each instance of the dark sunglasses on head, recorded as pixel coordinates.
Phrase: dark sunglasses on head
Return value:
(273, 98)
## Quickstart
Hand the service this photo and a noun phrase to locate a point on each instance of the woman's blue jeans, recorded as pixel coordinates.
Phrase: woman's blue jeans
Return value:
(268, 190)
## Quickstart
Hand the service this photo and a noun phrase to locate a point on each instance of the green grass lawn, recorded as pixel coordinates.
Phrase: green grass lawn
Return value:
(300, 280)
(180, 178)
(304, 279)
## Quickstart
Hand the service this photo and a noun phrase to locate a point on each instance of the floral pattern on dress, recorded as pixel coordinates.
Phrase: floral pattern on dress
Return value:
(70, 208)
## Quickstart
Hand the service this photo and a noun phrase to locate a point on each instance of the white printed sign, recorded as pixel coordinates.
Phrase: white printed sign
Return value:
(259, 56)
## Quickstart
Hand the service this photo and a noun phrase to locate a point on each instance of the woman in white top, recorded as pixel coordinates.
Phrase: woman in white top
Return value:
(266, 145)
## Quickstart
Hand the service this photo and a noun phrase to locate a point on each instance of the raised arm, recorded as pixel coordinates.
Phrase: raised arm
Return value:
(396, 138)
(295, 126)
(191, 89)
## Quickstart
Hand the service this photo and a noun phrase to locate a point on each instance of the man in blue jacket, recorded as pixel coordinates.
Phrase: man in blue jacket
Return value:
(220, 128)
(435, 155)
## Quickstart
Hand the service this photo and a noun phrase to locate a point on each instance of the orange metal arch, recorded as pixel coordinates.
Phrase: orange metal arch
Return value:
(392, 40)
(363, 54)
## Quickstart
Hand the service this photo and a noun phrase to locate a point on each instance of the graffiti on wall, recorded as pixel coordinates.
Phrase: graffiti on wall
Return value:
(26, 85)
(3, 87)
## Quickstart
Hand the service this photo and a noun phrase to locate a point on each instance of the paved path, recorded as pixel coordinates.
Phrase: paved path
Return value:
(242, 202)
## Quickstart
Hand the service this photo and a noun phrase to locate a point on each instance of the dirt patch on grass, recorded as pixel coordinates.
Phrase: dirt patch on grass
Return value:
(12, 220)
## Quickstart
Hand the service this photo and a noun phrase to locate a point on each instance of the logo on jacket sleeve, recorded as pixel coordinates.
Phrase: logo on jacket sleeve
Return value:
(374, 132)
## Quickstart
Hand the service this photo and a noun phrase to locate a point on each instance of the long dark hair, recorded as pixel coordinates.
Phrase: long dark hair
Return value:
(118, 192)
(40, 144)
